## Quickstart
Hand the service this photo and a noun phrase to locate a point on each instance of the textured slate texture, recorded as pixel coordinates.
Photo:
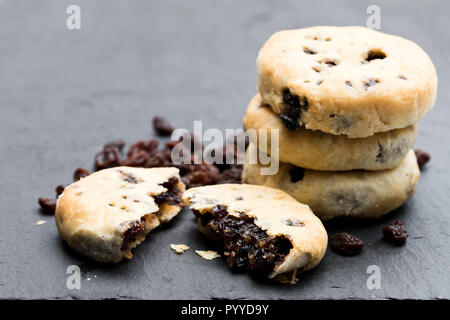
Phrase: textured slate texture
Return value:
(65, 93)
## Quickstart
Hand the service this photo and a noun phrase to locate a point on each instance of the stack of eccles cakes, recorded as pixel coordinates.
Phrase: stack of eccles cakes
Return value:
(345, 102)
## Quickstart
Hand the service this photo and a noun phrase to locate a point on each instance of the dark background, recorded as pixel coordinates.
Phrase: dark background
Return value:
(64, 93)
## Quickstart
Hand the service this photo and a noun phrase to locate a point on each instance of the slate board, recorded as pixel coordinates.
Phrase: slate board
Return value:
(65, 93)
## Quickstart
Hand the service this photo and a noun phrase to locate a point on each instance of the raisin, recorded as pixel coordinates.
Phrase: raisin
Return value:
(162, 126)
(395, 233)
(346, 244)
(218, 211)
(422, 157)
(107, 158)
(172, 196)
(158, 159)
(171, 183)
(136, 159)
(59, 190)
(289, 122)
(290, 101)
(231, 175)
(119, 144)
(293, 104)
(48, 206)
(147, 146)
(171, 144)
(80, 173)
(201, 175)
(296, 173)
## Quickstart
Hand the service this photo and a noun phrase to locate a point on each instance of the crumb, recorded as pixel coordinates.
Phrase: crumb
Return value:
(40, 222)
(294, 278)
(207, 255)
(179, 248)
(288, 278)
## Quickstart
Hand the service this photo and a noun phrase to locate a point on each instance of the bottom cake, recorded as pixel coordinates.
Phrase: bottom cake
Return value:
(358, 193)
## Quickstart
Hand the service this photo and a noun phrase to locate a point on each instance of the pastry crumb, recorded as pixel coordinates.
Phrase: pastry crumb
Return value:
(179, 248)
(40, 222)
(207, 255)
(289, 278)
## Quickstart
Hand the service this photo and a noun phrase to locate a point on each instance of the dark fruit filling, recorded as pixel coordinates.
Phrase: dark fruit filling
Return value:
(172, 196)
(137, 229)
(134, 230)
(293, 105)
(289, 121)
(247, 246)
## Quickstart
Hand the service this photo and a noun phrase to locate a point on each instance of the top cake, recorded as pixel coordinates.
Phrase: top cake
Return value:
(345, 80)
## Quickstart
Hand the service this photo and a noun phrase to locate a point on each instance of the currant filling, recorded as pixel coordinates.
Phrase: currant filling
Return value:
(138, 230)
(293, 107)
(247, 246)
(172, 196)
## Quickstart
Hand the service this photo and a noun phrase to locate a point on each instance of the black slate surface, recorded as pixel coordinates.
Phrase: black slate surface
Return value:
(65, 93)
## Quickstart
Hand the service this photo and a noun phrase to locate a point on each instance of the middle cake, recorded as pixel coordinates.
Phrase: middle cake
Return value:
(317, 150)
